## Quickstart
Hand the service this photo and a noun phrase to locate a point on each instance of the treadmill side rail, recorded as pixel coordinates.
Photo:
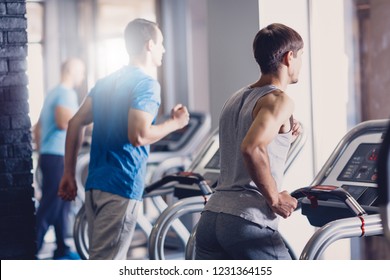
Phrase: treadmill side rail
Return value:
(339, 229)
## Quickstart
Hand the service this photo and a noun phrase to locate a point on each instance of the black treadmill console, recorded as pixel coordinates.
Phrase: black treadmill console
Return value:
(358, 177)
(362, 165)
(177, 139)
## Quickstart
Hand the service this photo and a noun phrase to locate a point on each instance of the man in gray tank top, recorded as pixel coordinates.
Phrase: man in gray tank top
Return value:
(256, 129)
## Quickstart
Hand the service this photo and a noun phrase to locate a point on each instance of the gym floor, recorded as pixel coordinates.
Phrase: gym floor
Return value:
(139, 252)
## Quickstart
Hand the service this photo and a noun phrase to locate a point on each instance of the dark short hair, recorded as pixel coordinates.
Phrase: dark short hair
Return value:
(272, 43)
(137, 33)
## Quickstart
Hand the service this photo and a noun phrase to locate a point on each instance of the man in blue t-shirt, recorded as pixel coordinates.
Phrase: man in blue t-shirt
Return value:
(122, 107)
(60, 105)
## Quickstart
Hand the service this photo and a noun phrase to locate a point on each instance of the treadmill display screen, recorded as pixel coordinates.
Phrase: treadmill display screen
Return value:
(178, 134)
(361, 167)
(177, 139)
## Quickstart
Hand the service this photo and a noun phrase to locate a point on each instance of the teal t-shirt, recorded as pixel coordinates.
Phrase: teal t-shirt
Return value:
(115, 165)
(53, 138)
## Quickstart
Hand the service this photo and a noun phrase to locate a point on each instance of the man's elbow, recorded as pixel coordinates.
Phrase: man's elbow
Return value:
(136, 140)
(249, 151)
(246, 150)
(62, 125)
(73, 123)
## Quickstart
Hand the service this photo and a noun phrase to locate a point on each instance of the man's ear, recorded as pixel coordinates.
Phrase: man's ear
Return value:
(287, 58)
(149, 45)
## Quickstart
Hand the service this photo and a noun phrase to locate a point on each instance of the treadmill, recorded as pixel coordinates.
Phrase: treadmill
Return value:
(173, 153)
(343, 200)
(351, 169)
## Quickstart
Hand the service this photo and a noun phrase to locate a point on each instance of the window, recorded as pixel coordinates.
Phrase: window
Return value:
(112, 18)
(34, 14)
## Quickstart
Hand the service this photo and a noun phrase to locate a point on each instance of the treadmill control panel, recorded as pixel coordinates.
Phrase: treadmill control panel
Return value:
(183, 142)
(361, 167)
(175, 140)
(353, 167)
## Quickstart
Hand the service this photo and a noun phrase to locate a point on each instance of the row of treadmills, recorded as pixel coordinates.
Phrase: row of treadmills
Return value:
(343, 201)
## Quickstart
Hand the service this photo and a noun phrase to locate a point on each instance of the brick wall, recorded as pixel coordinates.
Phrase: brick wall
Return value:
(17, 218)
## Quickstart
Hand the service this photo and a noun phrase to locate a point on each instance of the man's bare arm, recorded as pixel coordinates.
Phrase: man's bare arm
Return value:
(62, 117)
(142, 132)
(83, 117)
(270, 114)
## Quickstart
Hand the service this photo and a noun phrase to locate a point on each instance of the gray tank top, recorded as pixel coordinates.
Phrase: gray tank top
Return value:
(236, 194)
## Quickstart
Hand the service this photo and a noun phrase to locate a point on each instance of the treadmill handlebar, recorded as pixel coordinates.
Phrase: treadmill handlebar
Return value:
(325, 192)
(185, 178)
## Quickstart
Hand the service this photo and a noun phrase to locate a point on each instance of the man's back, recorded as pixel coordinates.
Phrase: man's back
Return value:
(53, 138)
(111, 151)
(237, 116)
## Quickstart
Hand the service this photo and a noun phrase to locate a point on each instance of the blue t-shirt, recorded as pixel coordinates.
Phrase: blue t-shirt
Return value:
(53, 138)
(116, 166)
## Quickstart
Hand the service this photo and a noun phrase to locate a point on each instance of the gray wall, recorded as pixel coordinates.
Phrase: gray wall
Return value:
(214, 54)
(231, 29)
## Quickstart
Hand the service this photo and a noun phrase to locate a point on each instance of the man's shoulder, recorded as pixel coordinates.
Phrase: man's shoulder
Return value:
(53, 91)
(277, 95)
(127, 75)
(52, 96)
(60, 90)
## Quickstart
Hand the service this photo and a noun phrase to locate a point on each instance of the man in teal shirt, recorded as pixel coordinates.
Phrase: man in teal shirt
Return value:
(122, 107)
(60, 105)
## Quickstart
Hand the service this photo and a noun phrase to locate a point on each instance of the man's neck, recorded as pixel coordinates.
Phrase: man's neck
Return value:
(269, 79)
(144, 64)
(67, 83)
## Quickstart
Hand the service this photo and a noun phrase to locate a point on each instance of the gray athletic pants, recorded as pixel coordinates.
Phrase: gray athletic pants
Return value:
(111, 224)
(221, 236)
